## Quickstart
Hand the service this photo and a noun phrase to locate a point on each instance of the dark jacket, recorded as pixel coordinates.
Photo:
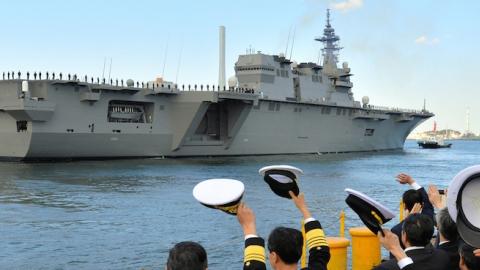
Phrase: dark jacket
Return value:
(427, 258)
(452, 250)
(319, 252)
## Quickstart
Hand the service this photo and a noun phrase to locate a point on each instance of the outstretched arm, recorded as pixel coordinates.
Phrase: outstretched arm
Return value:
(427, 207)
(319, 252)
(254, 254)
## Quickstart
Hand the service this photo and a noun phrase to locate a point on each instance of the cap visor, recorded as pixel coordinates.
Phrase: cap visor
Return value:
(468, 235)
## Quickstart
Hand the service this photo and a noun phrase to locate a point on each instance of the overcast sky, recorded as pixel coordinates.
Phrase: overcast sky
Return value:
(401, 52)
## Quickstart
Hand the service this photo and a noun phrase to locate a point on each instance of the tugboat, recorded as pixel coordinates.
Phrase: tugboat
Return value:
(433, 143)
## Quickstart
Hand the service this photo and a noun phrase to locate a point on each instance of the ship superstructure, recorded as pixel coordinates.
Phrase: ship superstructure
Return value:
(271, 106)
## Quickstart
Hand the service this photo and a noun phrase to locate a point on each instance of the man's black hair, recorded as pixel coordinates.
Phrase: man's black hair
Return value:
(187, 256)
(287, 243)
(446, 225)
(418, 229)
(410, 198)
(466, 252)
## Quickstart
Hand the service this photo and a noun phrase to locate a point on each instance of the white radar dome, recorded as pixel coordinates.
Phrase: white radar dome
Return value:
(232, 82)
(130, 83)
(365, 100)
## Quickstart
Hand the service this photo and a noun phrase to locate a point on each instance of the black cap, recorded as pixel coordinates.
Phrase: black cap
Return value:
(372, 213)
(282, 179)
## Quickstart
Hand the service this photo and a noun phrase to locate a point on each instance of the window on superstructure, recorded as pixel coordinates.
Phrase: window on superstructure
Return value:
(22, 126)
(271, 106)
(278, 72)
(369, 132)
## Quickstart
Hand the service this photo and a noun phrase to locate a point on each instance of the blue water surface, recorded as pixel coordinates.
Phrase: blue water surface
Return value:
(126, 214)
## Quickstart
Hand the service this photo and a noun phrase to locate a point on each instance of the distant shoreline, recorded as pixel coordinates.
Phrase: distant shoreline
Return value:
(457, 139)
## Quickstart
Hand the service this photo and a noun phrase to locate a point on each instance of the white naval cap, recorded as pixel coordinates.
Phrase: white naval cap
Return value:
(222, 194)
(372, 213)
(463, 202)
(282, 179)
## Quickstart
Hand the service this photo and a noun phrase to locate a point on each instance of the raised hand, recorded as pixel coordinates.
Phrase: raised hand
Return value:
(391, 243)
(435, 197)
(416, 209)
(477, 252)
(404, 179)
(246, 218)
(300, 204)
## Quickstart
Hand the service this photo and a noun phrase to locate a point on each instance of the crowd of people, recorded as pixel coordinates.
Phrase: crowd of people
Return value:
(413, 243)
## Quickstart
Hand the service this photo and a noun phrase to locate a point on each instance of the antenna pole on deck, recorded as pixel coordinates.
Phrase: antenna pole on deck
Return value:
(165, 60)
(293, 42)
(104, 63)
(110, 69)
(288, 40)
(179, 62)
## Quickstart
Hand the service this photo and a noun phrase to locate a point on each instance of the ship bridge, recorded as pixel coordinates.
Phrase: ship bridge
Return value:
(276, 77)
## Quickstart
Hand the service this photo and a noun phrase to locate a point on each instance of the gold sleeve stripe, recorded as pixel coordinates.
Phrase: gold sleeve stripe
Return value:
(316, 241)
(315, 233)
(316, 244)
(254, 252)
(255, 258)
(315, 238)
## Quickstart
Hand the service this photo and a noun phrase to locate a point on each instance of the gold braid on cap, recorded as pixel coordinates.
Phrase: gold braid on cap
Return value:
(230, 209)
(377, 217)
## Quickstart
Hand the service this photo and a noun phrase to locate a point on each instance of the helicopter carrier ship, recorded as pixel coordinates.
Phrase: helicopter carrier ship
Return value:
(271, 106)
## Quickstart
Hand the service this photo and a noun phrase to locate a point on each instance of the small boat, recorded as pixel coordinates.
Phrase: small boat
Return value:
(433, 143)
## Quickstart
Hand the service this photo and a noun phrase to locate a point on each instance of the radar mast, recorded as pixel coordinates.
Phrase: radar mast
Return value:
(330, 45)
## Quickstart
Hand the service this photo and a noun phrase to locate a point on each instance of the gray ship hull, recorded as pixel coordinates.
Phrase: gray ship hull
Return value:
(64, 121)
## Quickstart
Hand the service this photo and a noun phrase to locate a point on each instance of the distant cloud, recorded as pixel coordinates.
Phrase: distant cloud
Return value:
(424, 40)
(347, 5)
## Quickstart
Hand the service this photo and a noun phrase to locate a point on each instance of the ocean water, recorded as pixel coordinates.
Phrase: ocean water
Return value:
(126, 214)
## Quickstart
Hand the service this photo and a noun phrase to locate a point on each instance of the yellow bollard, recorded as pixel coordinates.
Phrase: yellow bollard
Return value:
(402, 210)
(365, 249)
(342, 224)
(338, 253)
